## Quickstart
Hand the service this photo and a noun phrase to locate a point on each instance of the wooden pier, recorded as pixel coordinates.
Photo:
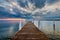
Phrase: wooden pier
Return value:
(30, 32)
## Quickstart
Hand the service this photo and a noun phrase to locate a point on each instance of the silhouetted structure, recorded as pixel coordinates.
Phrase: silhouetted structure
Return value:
(30, 32)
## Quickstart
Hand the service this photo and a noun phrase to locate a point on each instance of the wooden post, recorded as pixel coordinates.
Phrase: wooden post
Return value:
(54, 29)
(39, 24)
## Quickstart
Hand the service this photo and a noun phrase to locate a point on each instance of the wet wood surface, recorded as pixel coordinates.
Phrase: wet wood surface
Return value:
(30, 32)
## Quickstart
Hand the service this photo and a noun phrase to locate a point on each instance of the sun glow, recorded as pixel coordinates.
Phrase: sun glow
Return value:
(15, 19)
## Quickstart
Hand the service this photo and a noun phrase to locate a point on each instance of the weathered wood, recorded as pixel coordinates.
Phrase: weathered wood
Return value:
(30, 32)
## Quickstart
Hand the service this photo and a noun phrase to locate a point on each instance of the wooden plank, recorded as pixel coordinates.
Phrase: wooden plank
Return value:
(30, 32)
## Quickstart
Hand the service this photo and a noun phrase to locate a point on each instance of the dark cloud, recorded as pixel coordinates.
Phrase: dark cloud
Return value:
(38, 3)
(6, 14)
(21, 3)
(52, 1)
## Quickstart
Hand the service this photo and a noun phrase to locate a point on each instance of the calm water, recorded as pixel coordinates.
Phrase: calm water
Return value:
(8, 29)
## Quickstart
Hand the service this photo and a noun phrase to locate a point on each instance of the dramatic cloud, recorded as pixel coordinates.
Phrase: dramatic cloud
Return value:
(29, 7)
(40, 7)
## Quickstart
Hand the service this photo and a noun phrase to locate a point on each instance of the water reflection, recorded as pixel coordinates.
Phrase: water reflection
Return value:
(50, 28)
(8, 29)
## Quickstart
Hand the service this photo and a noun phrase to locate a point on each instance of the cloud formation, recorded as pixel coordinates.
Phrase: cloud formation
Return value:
(44, 7)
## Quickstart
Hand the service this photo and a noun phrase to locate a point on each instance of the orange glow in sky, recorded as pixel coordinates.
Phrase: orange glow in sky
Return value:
(13, 19)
